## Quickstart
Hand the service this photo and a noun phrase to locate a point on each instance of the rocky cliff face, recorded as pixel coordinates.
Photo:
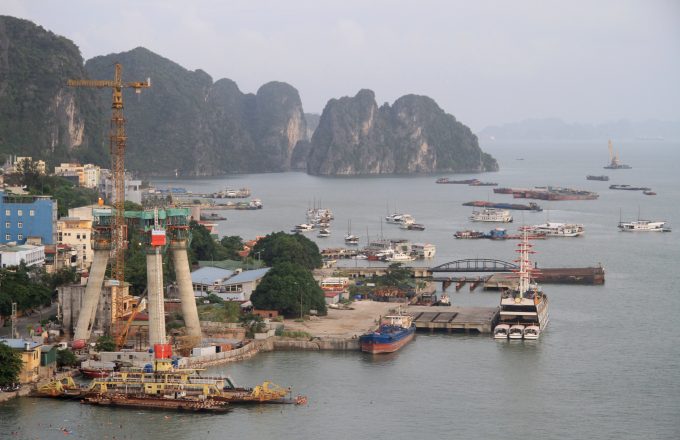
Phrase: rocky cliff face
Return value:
(185, 122)
(39, 115)
(414, 135)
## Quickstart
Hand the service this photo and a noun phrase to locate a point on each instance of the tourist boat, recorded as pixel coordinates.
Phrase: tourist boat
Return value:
(516, 331)
(303, 227)
(524, 304)
(601, 178)
(468, 234)
(552, 229)
(394, 332)
(501, 331)
(324, 233)
(532, 332)
(491, 215)
(399, 257)
(644, 226)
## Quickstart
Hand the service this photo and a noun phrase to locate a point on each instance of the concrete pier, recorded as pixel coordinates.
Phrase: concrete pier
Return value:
(92, 294)
(154, 279)
(186, 291)
(453, 318)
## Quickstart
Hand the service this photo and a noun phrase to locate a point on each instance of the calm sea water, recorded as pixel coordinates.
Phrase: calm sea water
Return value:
(607, 367)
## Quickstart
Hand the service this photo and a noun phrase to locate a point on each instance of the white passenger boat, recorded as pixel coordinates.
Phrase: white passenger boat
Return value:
(552, 229)
(324, 233)
(532, 332)
(644, 226)
(423, 250)
(501, 331)
(525, 305)
(399, 257)
(516, 331)
(303, 227)
(396, 218)
(491, 215)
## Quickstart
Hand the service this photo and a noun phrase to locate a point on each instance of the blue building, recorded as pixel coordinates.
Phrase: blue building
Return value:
(27, 216)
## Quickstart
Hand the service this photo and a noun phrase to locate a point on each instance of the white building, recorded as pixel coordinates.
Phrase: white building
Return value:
(133, 191)
(77, 233)
(12, 254)
(91, 175)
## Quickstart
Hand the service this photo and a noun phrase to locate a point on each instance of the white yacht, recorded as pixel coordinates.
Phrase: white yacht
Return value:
(525, 304)
(491, 215)
(532, 332)
(644, 226)
(552, 229)
(351, 239)
(303, 227)
(423, 250)
(399, 257)
(396, 217)
(324, 233)
(501, 331)
(516, 331)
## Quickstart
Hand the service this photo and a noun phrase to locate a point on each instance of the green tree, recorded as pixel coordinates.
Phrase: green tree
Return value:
(10, 365)
(25, 287)
(203, 245)
(396, 276)
(105, 343)
(66, 358)
(290, 289)
(279, 247)
(232, 245)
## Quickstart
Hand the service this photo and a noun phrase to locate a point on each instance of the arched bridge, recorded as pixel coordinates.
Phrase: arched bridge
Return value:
(476, 265)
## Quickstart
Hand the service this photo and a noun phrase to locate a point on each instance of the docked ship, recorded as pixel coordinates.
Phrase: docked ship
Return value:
(531, 206)
(644, 226)
(459, 182)
(491, 215)
(524, 308)
(553, 229)
(394, 332)
(554, 193)
(601, 178)
(614, 162)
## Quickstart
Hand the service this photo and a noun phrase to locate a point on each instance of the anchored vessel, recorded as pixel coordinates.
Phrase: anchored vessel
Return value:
(394, 332)
(614, 162)
(644, 226)
(518, 206)
(524, 309)
(491, 215)
(602, 178)
(552, 229)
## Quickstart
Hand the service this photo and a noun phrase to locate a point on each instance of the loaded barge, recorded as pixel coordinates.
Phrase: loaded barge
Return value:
(515, 206)
(548, 193)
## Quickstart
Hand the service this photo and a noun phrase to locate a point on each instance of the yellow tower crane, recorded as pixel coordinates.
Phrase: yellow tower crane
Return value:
(117, 140)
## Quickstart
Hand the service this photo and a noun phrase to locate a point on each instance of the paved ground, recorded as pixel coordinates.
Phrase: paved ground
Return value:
(344, 323)
(24, 321)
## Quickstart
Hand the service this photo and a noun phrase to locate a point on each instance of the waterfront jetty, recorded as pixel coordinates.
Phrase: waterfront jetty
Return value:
(454, 318)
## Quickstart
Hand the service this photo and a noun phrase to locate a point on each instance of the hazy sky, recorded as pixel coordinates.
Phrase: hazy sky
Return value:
(485, 62)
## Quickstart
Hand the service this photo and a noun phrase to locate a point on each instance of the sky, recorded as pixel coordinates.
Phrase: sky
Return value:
(485, 62)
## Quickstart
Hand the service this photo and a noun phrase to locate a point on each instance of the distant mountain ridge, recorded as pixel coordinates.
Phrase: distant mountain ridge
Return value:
(414, 135)
(557, 129)
(185, 124)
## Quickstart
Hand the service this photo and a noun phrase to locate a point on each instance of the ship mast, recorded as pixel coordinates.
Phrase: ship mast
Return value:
(525, 269)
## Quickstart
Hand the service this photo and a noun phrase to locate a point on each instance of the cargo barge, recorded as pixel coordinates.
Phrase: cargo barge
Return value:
(555, 193)
(394, 332)
(514, 206)
(630, 188)
(174, 403)
(470, 182)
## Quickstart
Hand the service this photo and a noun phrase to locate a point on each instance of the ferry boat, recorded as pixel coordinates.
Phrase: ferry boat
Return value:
(491, 215)
(399, 257)
(394, 332)
(552, 229)
(644, 226)
(525, 304)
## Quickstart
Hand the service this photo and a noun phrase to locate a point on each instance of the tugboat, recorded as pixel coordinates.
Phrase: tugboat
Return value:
(394, 332)
(525, 306)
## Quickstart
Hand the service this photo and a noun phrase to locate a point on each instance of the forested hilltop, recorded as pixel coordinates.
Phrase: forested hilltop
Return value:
(186, 124)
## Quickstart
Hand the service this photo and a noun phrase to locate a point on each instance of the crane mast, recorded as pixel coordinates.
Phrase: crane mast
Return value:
(117, 140)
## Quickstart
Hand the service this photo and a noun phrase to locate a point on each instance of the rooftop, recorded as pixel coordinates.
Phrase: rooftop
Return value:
(19, 344)
(247, 276)
(208, 275)
(18, 247)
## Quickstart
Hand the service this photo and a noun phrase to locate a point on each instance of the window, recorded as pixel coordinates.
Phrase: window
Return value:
(20, 212)
(78, 236)
(31, 212)
(8, 212)
(8, 225)
(8, 237)
(20, 237)
(20, 225)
